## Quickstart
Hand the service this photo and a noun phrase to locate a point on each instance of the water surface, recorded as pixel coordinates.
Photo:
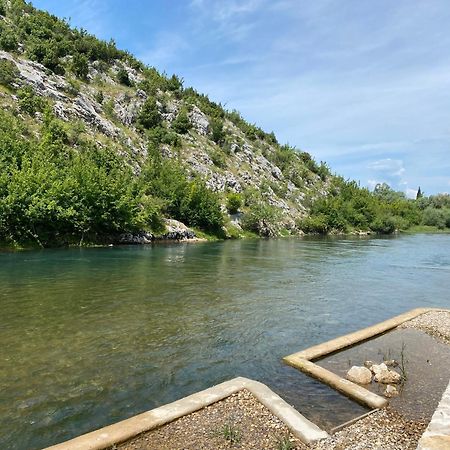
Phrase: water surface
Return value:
(92, 336)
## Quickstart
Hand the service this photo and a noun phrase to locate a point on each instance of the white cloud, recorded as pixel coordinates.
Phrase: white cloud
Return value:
(392, 167)
(411, 193)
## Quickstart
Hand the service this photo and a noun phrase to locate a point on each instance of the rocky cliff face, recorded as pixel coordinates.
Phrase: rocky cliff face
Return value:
(106, 105)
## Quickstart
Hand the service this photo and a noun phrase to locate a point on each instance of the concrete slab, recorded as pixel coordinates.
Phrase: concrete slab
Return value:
(437, 434)
(122, 431)
(303, 360)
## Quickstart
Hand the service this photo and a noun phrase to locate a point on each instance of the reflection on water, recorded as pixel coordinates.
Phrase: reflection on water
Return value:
(92, 336)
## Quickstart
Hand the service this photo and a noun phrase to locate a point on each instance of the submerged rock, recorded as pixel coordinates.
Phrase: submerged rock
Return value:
(360, 375)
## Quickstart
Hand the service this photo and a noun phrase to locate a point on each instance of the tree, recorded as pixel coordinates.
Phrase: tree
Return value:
(182, 124)
(149, 116)
(419, 194)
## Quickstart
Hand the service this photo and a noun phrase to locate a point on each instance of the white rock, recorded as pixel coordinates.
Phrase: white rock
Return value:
(377, 368)
(360, 375)
(387, 377)
(390, 391)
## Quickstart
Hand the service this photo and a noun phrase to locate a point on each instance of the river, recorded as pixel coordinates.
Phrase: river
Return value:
(92, 336)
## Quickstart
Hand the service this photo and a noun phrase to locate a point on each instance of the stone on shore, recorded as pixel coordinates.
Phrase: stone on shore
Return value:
(360, 375)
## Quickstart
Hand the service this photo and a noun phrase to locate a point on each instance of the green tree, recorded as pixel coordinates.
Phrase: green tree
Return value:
(149, 117)
(181, 124)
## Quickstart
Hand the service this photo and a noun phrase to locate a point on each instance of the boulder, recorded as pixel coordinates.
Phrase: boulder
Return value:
(360, 375)
(368, 364)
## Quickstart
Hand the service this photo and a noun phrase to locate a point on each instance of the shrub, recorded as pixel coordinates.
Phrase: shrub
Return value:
(8, 72)
(314, 224)
(123, 77)
(29, 102)
(383, 225)
(149, 116)
(217, 132)
(263, 219)
(80, 66)
(234, 202)
(181, 124)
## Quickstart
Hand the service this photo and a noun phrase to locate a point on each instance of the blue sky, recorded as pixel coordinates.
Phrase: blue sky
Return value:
(363, 85)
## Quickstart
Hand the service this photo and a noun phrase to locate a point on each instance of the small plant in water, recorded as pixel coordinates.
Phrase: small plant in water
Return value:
(403, 363)
(284, 443)
(230, 433)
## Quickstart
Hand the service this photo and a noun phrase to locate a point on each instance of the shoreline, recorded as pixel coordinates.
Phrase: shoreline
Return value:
(202, 237)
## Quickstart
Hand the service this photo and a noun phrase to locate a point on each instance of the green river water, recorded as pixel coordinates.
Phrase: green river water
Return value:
(92, 336)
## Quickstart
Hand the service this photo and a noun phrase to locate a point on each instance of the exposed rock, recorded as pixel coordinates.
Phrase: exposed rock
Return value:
(360, 375)
(176, 231)
(390, 391)
(140, 238)
(368, 364)
(199, 121)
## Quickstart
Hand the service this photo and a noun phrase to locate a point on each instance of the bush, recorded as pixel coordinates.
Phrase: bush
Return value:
(29, 102)
(149, 116)
(80, 66)
(263, 219)
(123, 77)
(383, 225)
(314, 224)
(436, 217)
(234, 202)
(181, 124)
(217, 132)
(8, 72)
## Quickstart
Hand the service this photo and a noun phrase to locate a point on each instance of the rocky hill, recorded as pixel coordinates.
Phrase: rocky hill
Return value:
(177, 154)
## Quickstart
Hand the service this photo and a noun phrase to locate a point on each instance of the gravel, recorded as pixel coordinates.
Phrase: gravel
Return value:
(385, 429)
(257, 428)
(435, 323)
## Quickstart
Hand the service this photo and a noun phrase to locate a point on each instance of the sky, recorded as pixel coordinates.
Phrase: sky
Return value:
(360, 84)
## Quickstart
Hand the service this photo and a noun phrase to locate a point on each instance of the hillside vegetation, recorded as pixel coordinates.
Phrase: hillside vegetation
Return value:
(94, 144)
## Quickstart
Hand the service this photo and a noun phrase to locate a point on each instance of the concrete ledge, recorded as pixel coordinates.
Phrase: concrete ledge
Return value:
(437, 434)
(122, 431)
(302, 360)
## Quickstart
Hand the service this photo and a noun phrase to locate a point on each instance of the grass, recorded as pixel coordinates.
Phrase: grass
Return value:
(426, 229)
(230, 433)
(283, 443)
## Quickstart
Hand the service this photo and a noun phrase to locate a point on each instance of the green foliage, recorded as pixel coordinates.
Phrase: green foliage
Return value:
(80, 66)
(8, 72)
(181, 124)
(123, 77)
(217, 131)
(149, 116)
(317, 224)
(234, 202)
(51, 193)
(350, 207)
(263, 219)
(29, 102)
(99, 97)
(218, 158)
(437, 217)
(230, 433)
(8, 39)
(189, 201)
